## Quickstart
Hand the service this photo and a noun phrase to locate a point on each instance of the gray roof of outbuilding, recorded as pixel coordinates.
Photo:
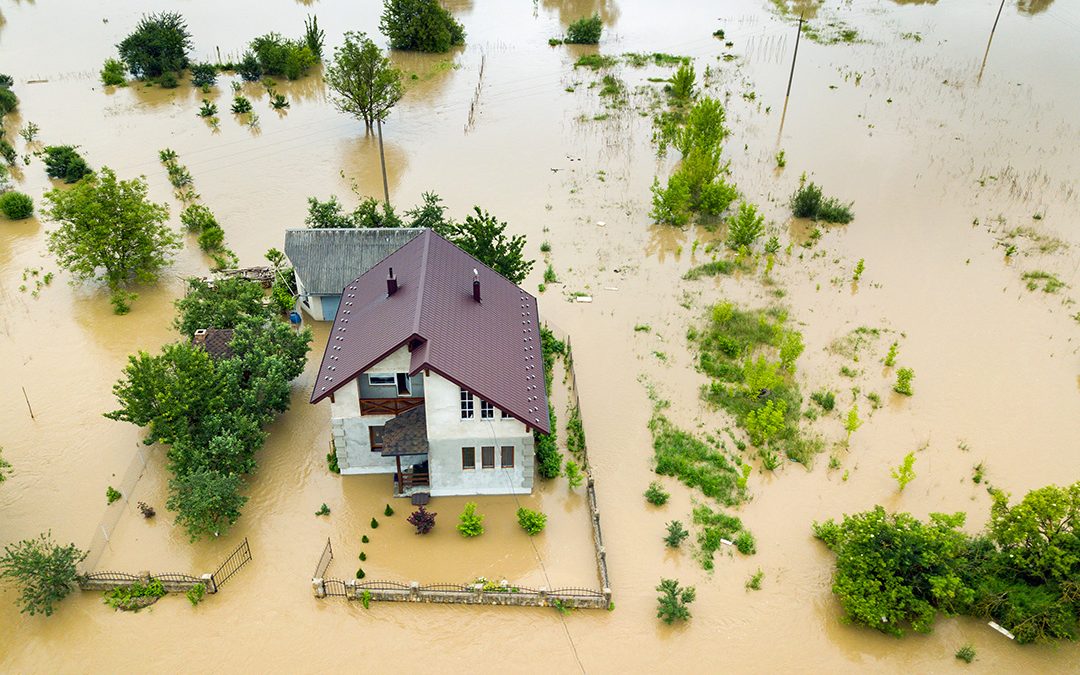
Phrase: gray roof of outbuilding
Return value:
(490, 348)
(328, 259)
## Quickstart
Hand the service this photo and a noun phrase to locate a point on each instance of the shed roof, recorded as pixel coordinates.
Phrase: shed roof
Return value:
(491, 348)
(327, 259)
(216, 342)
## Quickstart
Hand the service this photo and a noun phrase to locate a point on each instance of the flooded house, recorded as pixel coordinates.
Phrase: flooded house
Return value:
(325, 260)
(434, 374)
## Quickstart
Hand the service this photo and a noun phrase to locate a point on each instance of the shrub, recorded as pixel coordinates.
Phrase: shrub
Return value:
(45, 572)
(966, 653)
(746, 227)
(574, 476)
(16, 205)
(7, 151)
(682, 82)
(904, 376)
(532, 522)
(112, 494)
(314, 37)
(673, 600)
(808, 202)
(158, 45)
(146, 510)
(470, 522)
(8, 101)
(241, 104)
(360, 574)
(374, 524)
(112, 73)
(277, 55)
(671, 205)
(168, 81)
(365, 539)
(388, 511)
(136, 596)
(195, 594)
(64, 163)
(754, 582)
(208, 108)
(420, 25)
(656, 495)
(676, 533)
(198, 218)
(585, 31)
(423, 520)
(324, 510)
(212, 239)
(203, 75)
(745, 542)
(249, 68)
(206, 501)
(362, 556)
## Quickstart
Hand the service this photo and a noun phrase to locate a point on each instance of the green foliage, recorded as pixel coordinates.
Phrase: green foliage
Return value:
(8, 100)
(5, 467)
(808, 202)
(360, 574)
(745, 227)
(324, 510)
(781, 161)
(676, 533)
(682, 83)
(195, 594)
(364, 539)
(198, 218)
(112, 73)
(548, 457)
(203, 75)
(859, 268)
(656, 494)
(207, 502)
(710, 269)
(16, 205)
(223, 304)
(483, 236)
(905, 473)
(574, 475)
(852, 422)
(332, 462)
(825, 399)
(695, 463)
(365, 83)
(362, 557)
(904, 376)
(168, 80)
(671, 205)
(1041, 534)
(745, 543)
(1050, 282)
(575, 436)
(365, 599)
(159, 44)
(314, 37)
(596, 61)
(754, 582)
(64, 163)
(890, 358)
(208, 108)
(966, 653)
(718, 527)
(374, 524)
(136, 596)
(240, 104)
(585, 31)
(470, 523)
(532, 522)
(420, 25)
(44, 572)
(129, 244)
(766, 422)
(388, 511)
(112, 494)
(277, 55)
(673, 600)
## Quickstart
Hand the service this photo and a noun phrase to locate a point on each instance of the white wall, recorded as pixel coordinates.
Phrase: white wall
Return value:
(351, 436)
(313, 307)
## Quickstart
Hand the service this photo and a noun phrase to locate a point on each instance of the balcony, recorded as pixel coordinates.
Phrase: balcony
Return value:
(389, 406)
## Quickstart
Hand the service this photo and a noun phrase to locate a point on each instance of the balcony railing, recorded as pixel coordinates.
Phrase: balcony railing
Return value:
(388, 406)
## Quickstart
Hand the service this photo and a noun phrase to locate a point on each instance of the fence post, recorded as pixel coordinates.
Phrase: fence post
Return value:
(144, 577)
(208, 582)
(350, 589)
(318, 588)
(414, 591)
(607, 596)
(478, 592)
(543, 593)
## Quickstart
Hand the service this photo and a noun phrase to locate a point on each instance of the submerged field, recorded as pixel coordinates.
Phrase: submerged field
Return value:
(963, 181)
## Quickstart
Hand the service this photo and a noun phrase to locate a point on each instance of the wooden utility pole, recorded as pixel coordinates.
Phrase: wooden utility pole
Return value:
(382, 160)
(791, 77)
(987, 53)
(27, 398)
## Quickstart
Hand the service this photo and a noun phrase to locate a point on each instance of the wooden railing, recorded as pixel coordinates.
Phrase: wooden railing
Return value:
(411, 480)
(388, 406)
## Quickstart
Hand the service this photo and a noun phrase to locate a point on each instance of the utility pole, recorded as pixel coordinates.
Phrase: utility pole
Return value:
(27, 398)
(987, 54)
(791, 77)
(382, 160)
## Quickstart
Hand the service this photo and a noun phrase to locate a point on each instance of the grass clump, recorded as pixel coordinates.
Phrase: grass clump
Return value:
(1049, 282)
(656, 494)
(585, 31)
(754, 582)
(966, 653)
(324, 510)
(596, 61)
(710, 269)
(718, 528)
(808, 202)
(695, 463)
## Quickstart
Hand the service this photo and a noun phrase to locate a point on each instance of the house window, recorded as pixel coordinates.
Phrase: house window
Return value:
(507, 452)
(487, 411)
(505, 414)
(375, 433)
(468, 458)
(380, 380)
(487, 456)
(466, 405)
(404, 387)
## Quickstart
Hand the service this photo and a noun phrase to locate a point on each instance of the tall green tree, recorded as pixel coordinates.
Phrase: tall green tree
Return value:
(206, 502)
(1041, 534)
(44, 571)
(159, 44)
(420, 25)
(483, 236)
(221, 305)
(109, 231)
(366, 85)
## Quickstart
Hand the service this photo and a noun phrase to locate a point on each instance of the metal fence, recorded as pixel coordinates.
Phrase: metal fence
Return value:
(240, 557)
(324, 560)
(174, 582)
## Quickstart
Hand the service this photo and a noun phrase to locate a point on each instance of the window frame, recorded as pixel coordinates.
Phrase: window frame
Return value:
(387, 376)
(371, 437)
(483, 456)
(472, 458)
(487, 410)
(502, 456)
(403, 378)
(468, 406)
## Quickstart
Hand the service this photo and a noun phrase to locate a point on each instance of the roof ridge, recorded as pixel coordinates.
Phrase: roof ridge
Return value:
(420, 284)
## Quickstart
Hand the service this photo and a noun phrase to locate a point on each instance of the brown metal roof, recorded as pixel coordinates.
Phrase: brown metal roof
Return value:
(491, 347)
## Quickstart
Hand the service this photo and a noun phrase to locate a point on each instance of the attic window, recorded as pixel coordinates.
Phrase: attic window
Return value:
(381, 380)
(466, 405)
(487, 410)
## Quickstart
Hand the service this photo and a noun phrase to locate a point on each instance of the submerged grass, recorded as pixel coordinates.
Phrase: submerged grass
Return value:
(596, 61)
(716, 529)
(696, 463)
(640, 60)
(1049, 282)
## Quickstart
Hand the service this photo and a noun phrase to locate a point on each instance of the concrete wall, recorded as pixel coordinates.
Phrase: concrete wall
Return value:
(318, 307)
(352, 440)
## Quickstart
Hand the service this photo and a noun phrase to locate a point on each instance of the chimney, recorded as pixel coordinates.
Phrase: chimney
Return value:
(476, 285)
(391, 283)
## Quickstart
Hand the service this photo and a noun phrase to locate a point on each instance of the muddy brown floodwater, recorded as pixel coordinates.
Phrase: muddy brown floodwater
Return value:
(942, 155)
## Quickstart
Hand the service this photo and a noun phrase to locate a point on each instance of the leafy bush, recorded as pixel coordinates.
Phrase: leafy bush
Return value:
(532, 522)
(585, 31)
(470, 522)
(656, 494)
(8, 101)
(574, 475)
(675, 534)
(374, 524)
(159, 44)
(746, 227)
(203, 75)
(112, 73)
(241, 104)
(324, 510)
(168, 81)
(195, 594)
(16, 205)
(682, 82)
(808, 202)
(332, 462)
(966, 653)
(314, 36)
(754, 582)
(422, 519)
(63, 162)
(208, 108)
(673, 600)
(745, 543)
(7, 151)
(388, 511)
(671, 205)
(112, 494)
(45, 572)
(136, 596)
(825, 399)
(277, 55)
(904, 376)
(249, 68)
(197, 218)
(225, 304)
(420, 25)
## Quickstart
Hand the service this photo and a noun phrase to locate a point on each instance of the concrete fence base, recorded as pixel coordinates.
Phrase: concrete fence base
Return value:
(477, 594)
(101, 582)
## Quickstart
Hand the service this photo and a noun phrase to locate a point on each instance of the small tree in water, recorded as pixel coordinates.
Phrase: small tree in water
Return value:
(366, 84)
(673, 600)
(45, 572)
(905, 473)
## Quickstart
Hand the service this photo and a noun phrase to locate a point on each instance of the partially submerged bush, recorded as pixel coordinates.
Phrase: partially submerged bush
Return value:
(63, 162)
(159, 44)
(470, 522)
(277, 55)
(656, 494)
(673, 600)
(203, 75)
(422, 519)
(532, 522)
(676, 533)
(16, 205)
(44, 572)
(585, 31)
(745, 227)
(808, 202)
(136, 596)
(420, 25)
(112, 73)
